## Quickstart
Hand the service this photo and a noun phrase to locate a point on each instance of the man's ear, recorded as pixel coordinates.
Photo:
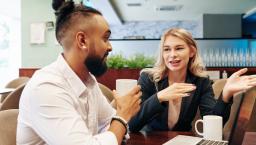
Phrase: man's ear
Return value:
(82, 40)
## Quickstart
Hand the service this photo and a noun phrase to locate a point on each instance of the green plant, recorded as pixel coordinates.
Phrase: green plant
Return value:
(137, 61)
(140, 61)
(116, 61)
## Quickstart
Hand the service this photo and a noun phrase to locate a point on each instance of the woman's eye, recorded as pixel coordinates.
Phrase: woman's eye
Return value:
(179, 48)
(167, 49)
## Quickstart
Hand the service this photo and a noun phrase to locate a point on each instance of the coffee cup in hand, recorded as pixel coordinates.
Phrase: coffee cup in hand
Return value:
(123, 86)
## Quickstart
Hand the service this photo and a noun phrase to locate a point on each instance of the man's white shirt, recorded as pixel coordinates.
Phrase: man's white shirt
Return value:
(57, 108)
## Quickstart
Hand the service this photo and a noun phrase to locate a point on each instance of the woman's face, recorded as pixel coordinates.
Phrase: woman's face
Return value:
(176, 54)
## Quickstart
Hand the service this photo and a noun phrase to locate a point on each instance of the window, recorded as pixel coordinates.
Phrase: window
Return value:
(10, 40)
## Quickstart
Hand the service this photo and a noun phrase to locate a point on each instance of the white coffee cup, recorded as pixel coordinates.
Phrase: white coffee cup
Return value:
(212, 127)
(123, 86)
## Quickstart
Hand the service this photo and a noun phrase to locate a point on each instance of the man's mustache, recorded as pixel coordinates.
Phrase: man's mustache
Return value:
(106, 54)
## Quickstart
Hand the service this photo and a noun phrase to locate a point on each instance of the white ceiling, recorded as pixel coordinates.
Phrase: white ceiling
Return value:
(148, 10)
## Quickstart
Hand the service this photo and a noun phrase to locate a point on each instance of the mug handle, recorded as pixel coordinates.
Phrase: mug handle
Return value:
(199, 133)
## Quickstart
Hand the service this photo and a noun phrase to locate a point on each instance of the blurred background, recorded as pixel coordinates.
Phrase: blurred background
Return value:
(224, 29)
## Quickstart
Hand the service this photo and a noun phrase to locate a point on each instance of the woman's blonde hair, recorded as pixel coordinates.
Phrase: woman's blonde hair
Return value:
(195, 65)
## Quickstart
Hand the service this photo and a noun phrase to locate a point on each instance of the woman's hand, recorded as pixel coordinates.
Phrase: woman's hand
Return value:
(236, 83)
(174, 91)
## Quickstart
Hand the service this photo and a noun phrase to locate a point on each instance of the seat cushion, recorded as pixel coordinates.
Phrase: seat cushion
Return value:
(8, 126)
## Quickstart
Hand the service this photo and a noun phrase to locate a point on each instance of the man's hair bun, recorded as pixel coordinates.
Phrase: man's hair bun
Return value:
(56, 4)
(63, 7)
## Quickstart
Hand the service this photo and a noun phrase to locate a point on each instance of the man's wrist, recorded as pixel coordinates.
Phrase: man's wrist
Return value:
(122, 121)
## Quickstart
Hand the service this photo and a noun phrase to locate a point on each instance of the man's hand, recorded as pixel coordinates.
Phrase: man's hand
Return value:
(129, 104)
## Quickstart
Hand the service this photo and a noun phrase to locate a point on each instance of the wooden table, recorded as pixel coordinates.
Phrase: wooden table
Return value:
(153, 138)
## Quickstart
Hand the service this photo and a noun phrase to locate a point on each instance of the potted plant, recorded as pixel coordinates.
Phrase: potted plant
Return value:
(120, 67)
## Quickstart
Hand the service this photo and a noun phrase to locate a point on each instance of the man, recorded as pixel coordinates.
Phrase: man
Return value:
(62, 103)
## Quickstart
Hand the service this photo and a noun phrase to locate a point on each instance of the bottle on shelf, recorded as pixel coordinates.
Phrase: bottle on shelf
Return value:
(224, 74)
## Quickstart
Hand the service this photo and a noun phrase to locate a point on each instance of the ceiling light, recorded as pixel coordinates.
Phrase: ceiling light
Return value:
(169, 8)
(134, 4)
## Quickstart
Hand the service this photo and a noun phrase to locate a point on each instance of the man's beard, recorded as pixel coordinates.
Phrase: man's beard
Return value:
(96, 65)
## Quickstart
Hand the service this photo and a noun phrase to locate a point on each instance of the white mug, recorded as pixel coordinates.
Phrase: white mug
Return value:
(212, 127)
(123, 86)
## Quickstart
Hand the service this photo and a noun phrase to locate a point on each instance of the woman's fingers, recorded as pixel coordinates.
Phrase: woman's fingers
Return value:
(185, 94)
(182, 85)
(248, 80)
(187, 89)
(180, 95)
(252, 78)
(251, 83)
(184, 88)
(181, 89)
(239, 72)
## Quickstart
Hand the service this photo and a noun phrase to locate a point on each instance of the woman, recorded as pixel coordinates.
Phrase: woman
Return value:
(177, 85)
